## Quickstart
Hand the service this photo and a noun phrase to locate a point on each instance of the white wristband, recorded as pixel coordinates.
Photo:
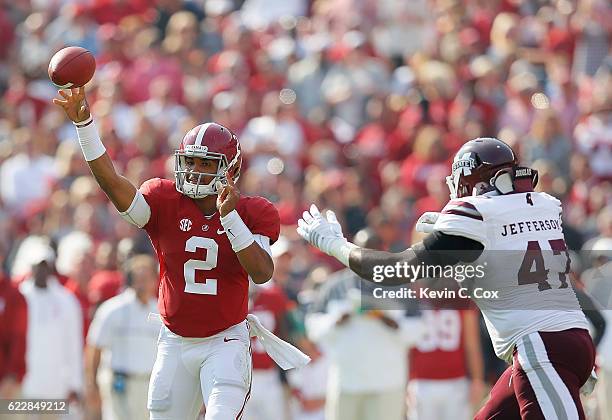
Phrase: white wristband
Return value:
(342, 252)
(89, 140)
(237, 232)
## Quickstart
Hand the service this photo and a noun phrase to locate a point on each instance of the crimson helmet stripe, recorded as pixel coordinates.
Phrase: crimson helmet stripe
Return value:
(201, 132)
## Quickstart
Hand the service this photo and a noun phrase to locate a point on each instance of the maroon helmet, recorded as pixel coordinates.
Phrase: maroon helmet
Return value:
(487, 164)
(207, 141)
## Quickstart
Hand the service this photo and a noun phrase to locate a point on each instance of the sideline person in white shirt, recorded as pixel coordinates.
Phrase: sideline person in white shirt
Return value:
(54, 355)
(121, 346)
(367, 350)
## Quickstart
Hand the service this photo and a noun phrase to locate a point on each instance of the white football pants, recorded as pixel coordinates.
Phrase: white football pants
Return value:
(215, 370)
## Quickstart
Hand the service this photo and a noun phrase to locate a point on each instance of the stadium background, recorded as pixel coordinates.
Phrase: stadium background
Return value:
(357, 105)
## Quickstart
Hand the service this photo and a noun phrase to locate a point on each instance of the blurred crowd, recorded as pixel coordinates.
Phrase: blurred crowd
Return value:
(357, 105)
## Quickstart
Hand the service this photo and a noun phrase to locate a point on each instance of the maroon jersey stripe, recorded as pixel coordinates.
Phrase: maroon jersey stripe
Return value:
(460, 203)
(459, 212)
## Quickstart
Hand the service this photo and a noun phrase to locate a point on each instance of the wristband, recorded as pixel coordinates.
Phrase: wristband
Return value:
(237, 232)
(342, 251)
(84, 123)
(89, 139)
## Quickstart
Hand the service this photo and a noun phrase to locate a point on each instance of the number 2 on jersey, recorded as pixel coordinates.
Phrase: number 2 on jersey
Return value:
(209, 287)
(540, 274)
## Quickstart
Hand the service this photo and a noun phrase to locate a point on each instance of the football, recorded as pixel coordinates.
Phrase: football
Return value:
(71, 67)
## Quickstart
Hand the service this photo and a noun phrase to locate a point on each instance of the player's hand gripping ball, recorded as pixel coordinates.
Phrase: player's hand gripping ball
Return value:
(71, 67)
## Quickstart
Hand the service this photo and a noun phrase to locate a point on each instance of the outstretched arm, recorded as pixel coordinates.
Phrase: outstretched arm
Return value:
(436, 249)
(119, 190)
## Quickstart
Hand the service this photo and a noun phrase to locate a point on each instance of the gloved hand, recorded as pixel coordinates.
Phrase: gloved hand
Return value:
(427, 221)
(325, 233)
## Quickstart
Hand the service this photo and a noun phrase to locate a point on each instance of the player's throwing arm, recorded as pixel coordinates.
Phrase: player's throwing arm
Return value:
(118, 189)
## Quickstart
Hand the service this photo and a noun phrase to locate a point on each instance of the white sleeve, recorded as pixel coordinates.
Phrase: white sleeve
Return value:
(139, 212)
(411, 329)
(101, 328)
(461, 218)
(263, 242)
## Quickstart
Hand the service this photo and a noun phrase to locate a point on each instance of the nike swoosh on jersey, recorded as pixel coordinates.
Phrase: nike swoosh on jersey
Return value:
(220, 231)
(225, 339)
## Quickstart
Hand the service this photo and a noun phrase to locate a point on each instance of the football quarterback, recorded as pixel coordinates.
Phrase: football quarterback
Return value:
(496, 218)
(209, 241)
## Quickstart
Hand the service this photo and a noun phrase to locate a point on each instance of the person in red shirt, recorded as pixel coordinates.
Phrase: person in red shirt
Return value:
(440, 363)
(209, 241)
(78, 283)
(271, 306)
(13, 332)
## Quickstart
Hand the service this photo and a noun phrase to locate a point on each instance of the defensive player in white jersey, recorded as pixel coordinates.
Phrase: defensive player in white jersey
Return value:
(535, 322)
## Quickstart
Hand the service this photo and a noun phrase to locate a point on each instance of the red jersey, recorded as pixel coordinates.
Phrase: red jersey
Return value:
(13, 331)
(203, 288)
(269, 305)
(440, 354)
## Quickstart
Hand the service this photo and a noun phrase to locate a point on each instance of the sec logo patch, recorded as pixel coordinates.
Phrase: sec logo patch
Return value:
(185, 225)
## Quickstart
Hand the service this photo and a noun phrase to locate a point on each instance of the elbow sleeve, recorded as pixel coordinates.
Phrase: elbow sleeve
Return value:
(139, 212)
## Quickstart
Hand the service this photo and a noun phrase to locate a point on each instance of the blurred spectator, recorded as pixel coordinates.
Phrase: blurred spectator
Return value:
(546, 140)
(518, 113)
(427, 158)
(446, 366)
(75, 261)
(352, 78)
(277, 133)
(54, 353)
(592, 22)
(594, 139)
(13, 331)
(270, 304)
(26, 176)
(366, 349)
(308, 385)
(121, 346)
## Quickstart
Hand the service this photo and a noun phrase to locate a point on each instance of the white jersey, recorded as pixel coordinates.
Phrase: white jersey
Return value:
(534, 293)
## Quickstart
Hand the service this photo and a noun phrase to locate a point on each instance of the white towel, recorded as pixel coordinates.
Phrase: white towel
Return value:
(283, 353)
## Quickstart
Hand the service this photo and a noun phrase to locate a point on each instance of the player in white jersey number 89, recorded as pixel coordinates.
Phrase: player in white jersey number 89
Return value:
(493, 207)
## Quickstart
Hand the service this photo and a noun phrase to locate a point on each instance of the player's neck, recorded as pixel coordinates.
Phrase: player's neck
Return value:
(207, 205)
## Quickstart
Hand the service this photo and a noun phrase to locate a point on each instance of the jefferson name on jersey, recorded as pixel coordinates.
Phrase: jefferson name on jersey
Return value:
(531, 225)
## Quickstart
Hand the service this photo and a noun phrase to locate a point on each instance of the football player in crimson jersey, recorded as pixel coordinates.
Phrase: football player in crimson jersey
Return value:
(209, 240)
(535, 322)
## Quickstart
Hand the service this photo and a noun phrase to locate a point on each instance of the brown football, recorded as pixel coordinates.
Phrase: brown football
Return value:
(71, 67)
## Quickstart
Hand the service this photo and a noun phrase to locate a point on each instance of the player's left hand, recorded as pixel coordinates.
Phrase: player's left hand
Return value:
(228, 197)
(323, 233)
